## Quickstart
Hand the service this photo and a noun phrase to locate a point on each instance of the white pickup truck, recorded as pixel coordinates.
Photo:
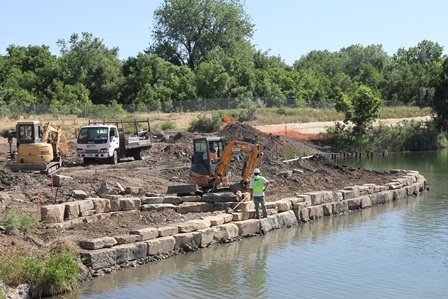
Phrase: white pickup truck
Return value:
(112, 140)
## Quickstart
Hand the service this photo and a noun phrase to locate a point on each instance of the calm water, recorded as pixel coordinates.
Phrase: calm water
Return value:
(399, 250)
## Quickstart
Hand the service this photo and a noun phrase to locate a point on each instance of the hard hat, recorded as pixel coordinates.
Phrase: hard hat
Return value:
(214, 148)
(256, 171)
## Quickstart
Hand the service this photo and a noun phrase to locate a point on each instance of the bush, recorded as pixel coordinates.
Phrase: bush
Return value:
(13, 223)
(205, 124)
(168, 125)
(46, 275)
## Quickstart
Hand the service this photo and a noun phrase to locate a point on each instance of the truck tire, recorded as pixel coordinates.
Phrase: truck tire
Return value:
(141, 154)
(114, 158)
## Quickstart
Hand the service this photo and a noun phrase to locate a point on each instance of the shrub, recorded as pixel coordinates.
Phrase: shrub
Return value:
(168, 125)
(46, 275)
(205, 124)
(13, 223)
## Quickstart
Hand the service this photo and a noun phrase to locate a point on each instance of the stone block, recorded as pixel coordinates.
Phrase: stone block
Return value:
(366, 202)
(165, 231)
(305, 215)
(225, 233)
(52, 213)
(101, 205)
(399, 194)
(98, 243)
(337, 196)
(87, 213)
(175, 200)
(146, 233)
(316, 212)
(191, 198)
(223, 206)
(347, 194)
(244, 206)
(220, 197)
(354, 203)
(269, 223)
(195, 207)
(340, 207)
(207, 237)
(127, 239)
(283, 205)
(305, 198)
(248, 227)
(115, 205)
(227, 217)
(239, 216)
(354, 189)
(161, 245)
(187, 241)
(71, 210)
(215, 220)
(130, 252)
(200, 223)
(158, 207)
(130, 203)
(152, 200)
(186, 227)
(85, 205)
(61, 180)
(286, 219)
(328, 209)
(79, 194)
(98, 259)
(297, 207)
(411, 190)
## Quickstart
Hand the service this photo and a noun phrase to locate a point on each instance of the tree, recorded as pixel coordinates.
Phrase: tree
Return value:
(361, 108)
(439, 104)
(186, 31)
(89, 62)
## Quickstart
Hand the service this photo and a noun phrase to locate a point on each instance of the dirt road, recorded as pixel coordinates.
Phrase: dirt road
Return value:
(320, 127)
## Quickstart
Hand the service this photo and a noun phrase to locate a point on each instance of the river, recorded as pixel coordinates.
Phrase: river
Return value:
(397, 250)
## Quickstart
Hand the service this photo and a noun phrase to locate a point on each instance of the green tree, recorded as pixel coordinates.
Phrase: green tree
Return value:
(89, 62)
(439, 104)
(361, 108)
(187, 31)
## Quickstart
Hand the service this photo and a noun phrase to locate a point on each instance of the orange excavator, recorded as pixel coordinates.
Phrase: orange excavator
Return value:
(212, 175)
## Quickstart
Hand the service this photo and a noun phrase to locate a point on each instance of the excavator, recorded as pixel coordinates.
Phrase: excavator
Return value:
(40, 147)
(208, 175)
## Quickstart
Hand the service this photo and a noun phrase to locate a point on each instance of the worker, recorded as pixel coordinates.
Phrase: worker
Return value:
(213, 155)
(258, 184)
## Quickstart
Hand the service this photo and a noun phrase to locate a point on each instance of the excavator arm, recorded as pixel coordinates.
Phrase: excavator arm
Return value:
(53, 135)
(229, 150)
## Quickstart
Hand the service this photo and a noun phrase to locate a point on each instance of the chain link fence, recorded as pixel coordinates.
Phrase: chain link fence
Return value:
(86, 110)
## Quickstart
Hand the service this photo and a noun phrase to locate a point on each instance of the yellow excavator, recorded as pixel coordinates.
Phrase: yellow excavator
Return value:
(209, 174)
(40, 147)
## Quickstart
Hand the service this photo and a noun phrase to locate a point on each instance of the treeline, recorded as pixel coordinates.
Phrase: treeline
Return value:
(88, 73)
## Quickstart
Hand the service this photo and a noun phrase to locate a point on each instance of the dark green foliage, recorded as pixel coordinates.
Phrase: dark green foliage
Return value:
(204, 124)
(409, 136)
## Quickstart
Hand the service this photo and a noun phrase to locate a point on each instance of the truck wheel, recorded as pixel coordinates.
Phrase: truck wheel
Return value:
(141, 154)
(114, 158)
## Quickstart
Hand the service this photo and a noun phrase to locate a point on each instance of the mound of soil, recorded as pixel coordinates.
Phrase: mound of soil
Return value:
(167, 165)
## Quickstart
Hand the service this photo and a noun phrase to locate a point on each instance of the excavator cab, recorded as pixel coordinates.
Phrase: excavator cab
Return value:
(203, 163)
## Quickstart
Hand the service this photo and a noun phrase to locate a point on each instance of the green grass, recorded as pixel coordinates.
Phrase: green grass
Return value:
(54, 273)
(14, 223)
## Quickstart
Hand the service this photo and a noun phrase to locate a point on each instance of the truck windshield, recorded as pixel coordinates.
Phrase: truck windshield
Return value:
(96, 134)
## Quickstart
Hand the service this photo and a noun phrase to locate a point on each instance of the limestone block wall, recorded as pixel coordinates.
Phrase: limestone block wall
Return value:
(148, 244)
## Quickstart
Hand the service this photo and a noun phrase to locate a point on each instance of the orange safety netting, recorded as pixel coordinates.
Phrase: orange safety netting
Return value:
(228, 119)
(293, 133)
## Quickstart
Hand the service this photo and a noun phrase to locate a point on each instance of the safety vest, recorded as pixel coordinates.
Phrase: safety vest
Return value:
(257, 185)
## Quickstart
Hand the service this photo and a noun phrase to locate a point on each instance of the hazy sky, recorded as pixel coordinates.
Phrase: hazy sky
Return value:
(288, 28)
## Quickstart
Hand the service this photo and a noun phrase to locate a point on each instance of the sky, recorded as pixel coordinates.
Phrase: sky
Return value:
(285, 28)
